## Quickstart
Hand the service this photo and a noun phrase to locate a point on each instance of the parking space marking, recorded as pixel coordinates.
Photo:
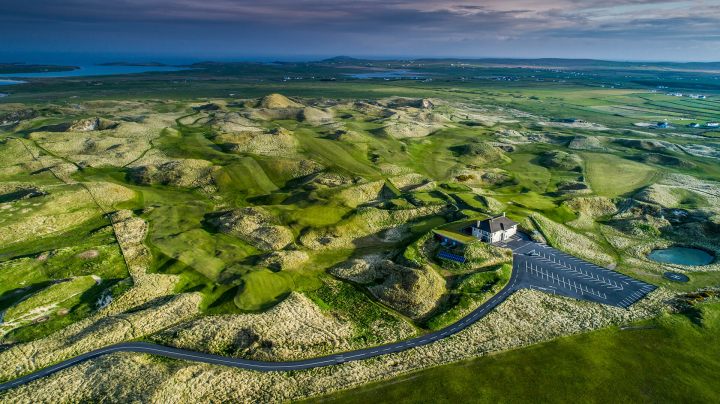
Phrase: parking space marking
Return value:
(552, 271)
(569, 284)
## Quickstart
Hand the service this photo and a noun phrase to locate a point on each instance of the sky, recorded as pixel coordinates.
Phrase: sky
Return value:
(40, 30)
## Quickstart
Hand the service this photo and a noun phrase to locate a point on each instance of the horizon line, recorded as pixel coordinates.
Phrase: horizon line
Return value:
(146, 58)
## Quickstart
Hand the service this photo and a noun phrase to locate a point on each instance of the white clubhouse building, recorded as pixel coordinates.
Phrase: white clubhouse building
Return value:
(498, 228)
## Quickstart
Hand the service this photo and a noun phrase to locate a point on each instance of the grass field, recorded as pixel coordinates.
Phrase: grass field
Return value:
(670, 359)
(612, 176)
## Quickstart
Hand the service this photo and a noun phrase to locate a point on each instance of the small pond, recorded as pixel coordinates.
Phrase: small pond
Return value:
(681, 256)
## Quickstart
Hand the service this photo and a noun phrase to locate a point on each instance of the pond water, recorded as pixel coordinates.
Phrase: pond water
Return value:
(681, 256)
(388, 74)
(91, 70)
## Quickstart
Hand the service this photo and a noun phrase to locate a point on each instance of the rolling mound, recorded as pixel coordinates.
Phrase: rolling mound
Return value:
(363, 228)
(316, 116)
(331, 180)
(278, 142)
(573, 187)
(664, 160)
(480, 153)
(561, 160)
(412, 123)
(593, 206)
(10, 192)
(285, 260)
(415, 292)
(93, 150)
(231, 122)
(187, 173)
(404, 130)
(490, 177)
(277, 101)
(364, 270)
(481, 255)
(648, 145)
(15, 117)
(295, 328)
(586, 143)
(356, 195)
(91, 124)
(669, 196)
(254, 225)
(590, 208)
(404, 102)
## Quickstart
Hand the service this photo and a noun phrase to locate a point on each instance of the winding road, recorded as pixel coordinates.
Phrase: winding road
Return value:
(175, 353)
(578, 279)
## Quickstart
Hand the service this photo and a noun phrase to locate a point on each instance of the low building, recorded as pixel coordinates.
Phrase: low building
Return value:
(694, 125)
(712, 124)
(498, 228)
(663, 125)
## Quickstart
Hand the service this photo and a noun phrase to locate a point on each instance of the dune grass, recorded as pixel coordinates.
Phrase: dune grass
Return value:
(669, 359)
(226, 269)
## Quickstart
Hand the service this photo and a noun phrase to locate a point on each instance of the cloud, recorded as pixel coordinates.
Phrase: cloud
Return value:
(433, 26)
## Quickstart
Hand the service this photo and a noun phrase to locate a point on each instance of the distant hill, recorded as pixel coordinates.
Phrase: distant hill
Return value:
(10, 68)
(540, 62)
(342, 59)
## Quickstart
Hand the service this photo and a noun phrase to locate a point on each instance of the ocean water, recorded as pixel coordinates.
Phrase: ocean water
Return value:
(10, 82)
(91, 70)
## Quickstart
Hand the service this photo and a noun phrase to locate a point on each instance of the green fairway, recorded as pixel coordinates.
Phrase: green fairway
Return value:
(245, 176)
(344, 156)
(612, 176)
(528, 174)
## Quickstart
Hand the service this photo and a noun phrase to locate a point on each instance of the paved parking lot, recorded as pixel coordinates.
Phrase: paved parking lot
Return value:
(544, 268)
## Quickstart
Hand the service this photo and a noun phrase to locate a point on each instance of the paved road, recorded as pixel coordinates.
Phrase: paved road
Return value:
(551, 271)
(144, 347)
